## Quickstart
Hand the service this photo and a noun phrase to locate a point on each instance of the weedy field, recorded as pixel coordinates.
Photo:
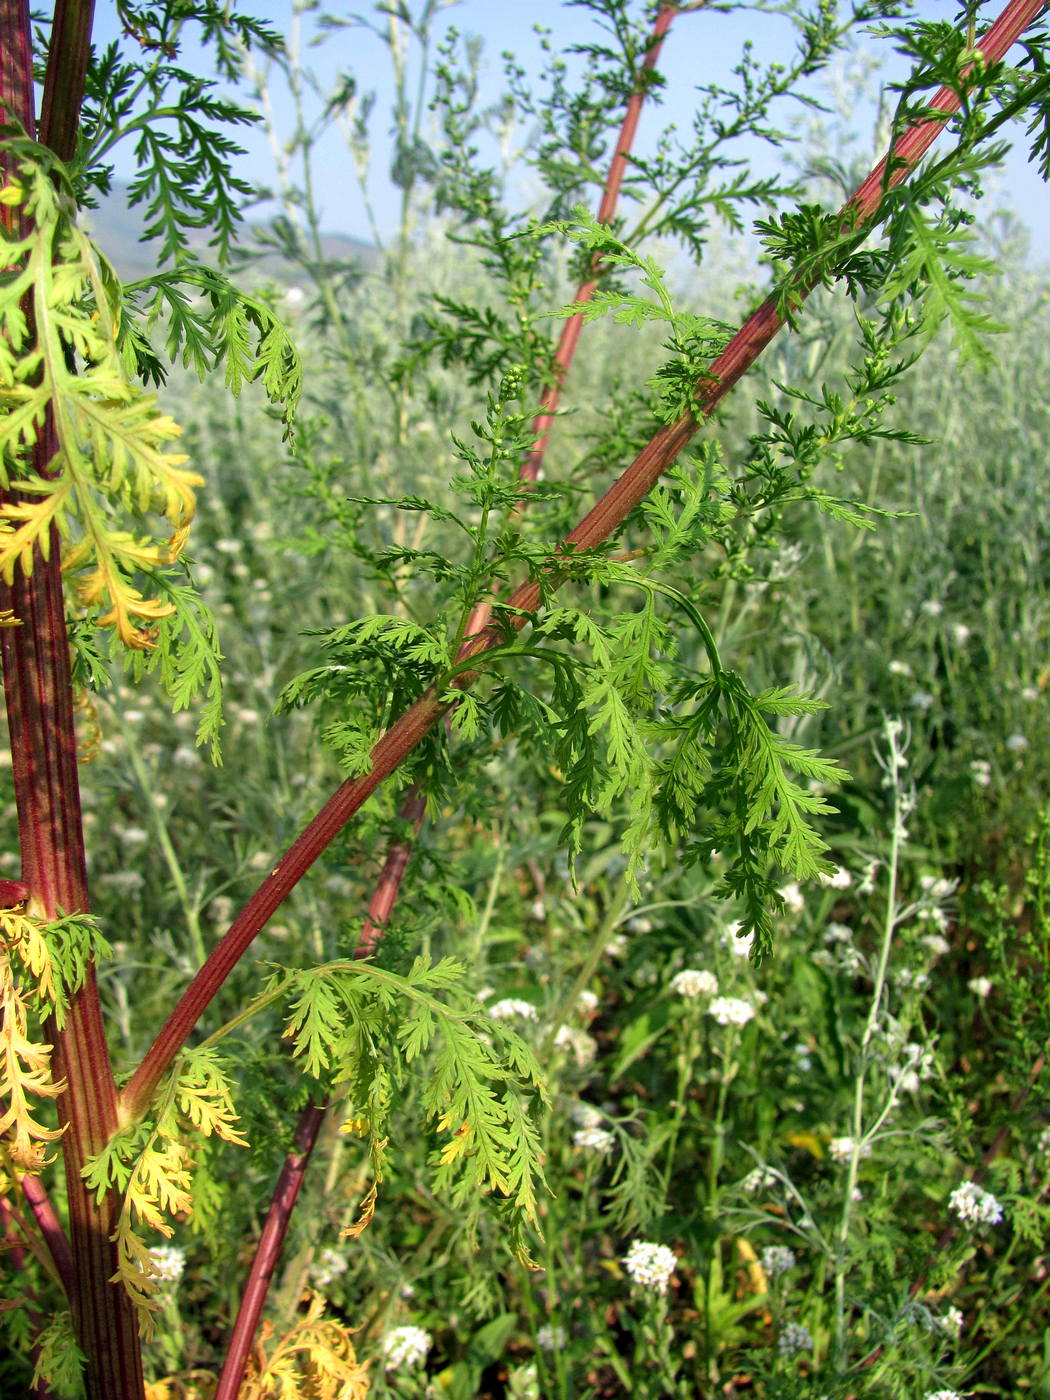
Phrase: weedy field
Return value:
(659, 1006)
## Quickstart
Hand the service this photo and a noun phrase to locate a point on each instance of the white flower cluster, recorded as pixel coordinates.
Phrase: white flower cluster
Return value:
(651, 1265)
(942, 1395)
(975, 1206)
(579, 1044)
(510, 1007)
(777, 1259)
(405, 1346)
(330, 1264)
(731, 1011)
(585, 1115)
(982, 772)
(980, 986)
(793, 898)
(168, 1263)
(951, 1324)
(839, 879)
(739, 944)
(692, 983)
(597, 1140)
(551, 1337)
(793, 1339)
(758, 1180)
(840, 1149)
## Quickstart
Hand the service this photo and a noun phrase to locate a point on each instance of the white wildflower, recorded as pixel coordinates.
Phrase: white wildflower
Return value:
(551, 1336)
(921, 700)
(980, 986)
(793, 898)
(596, 1140)
(731, 1011)
(981, 770)
(942, 1395)
(168, 1263)
(1043, 1144)
(694, 983)
(931, 607)
(585, 1115)
(739, 945)
(867, 879)
(587, 1003)
(777, 1259)
(934, 887)
(581, 1046)
(839, 879)
(650, 1265)
(974, 1206)
(1017, 743)
(838, 933)
(330, 1264)
(1030, 693)
(405, 1346)
(899, 668)
(936, 944)
(758, 1180)
(840, 1149)
(510, 1007)
(952, 1322)
(793, 1339)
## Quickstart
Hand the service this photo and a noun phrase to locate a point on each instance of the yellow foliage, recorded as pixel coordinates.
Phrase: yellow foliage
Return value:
(314, 1361)
(25, 1071)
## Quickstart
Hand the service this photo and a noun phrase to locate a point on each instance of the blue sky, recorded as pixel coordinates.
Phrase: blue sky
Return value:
(702, 47)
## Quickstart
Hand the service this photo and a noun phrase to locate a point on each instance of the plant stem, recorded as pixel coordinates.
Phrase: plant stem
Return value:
(857, 1135)
(268, 1250)
(39, 698)
(573, 325)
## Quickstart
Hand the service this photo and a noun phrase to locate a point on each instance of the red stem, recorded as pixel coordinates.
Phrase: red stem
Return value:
(268, 1250)
(570, 331)
(51, 1229)
(39, 698)
(600, 522)
(384, 896)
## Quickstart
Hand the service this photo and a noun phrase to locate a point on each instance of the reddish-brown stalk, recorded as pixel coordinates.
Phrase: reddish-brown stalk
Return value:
(50, 1229)
(268, 1250)
(609, 512)
(39, 697)
(570, 332)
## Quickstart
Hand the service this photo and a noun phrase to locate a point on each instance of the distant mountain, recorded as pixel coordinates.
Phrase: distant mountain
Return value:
(118, 226)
